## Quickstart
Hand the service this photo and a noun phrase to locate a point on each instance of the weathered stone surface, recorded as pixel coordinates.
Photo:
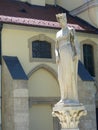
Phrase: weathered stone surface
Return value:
(87, 92)
(15, 106)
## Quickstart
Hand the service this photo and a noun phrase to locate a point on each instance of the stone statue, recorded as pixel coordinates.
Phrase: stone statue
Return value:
(68, 109)
(67, 54)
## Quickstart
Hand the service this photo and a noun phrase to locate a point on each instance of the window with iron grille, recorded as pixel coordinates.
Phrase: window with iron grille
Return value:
(88, 58)
(41, 49)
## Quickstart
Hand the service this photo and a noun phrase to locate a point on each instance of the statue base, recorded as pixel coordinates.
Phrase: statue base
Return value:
(67, 102)
(69, 112)
(70, 129)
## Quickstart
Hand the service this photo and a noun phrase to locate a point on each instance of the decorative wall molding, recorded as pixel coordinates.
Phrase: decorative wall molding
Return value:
(43, 100)
(43, 66)
(42, 37)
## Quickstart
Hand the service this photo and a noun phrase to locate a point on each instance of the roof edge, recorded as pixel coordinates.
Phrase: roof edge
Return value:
(35, 22)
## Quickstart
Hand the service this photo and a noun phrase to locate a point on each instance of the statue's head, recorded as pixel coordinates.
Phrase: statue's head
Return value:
(61, 18)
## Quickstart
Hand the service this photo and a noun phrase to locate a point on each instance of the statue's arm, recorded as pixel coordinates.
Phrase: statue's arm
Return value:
(74, 44)
(57, 51)
(77, 46)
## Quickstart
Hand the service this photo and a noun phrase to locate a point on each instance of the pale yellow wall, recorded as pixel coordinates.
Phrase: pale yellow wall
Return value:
(41, 117)
(15, 43)
(90, 36)
(43, 84)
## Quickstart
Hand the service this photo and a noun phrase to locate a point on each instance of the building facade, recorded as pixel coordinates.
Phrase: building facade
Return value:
(29, 72)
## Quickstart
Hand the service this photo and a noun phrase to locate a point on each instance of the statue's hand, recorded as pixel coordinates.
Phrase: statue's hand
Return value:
(57, 59)
(75, 58)
(57, 56)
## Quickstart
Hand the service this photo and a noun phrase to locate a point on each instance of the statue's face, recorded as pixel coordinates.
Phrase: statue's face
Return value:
(63, 21)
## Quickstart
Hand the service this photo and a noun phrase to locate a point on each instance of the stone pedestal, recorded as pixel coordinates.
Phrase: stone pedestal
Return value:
(69, 115)
(69, 129)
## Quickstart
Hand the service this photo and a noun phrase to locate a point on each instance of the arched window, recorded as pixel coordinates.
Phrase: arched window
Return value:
(41, 49)
(88, 58)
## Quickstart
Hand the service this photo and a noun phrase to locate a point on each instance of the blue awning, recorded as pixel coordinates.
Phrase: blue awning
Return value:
(17, 72)
(15, 68)
(83, 73)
